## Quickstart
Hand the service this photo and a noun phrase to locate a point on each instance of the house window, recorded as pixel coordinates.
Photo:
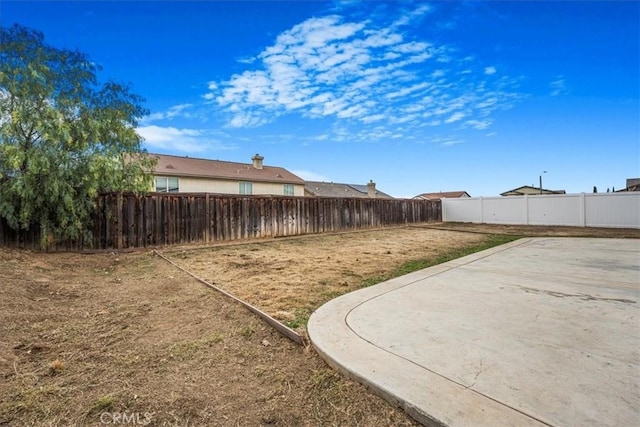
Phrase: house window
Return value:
(166, 184)
(246, 188)
(288, 190)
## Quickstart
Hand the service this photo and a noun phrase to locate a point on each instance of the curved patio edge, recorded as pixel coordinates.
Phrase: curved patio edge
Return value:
(426, 396)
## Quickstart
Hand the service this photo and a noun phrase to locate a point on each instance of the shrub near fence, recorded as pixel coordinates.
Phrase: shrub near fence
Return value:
(127, 221)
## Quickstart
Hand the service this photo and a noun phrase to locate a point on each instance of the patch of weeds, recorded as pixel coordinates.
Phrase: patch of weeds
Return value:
(247, 331)
(373, 280)
(492, 240)
(328, 386)
(244, 354)
(410, 266)
(103, 403)
(323, 379)
(214, 338)
(185, 350)
(329, 295)
(301, 319)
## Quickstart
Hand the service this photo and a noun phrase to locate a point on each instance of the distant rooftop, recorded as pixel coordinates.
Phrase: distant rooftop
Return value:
(335, 189)
(633, 184)
(442, 195)
(530, 190)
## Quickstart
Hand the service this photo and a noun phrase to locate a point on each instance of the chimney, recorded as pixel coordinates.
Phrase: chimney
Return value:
(257, 161)
(371, 189)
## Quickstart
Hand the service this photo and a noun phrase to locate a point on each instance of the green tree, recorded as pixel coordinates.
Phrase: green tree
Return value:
(63, 137)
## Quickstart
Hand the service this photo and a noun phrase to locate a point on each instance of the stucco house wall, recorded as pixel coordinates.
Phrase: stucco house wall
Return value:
(223, 186)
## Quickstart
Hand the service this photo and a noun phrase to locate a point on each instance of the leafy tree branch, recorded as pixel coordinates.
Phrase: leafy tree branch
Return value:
(64, 137)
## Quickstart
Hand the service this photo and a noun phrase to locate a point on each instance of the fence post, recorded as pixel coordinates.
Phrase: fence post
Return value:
(443, 207)
(207, 214)
(119, 218)
(583, 210)
(526, 209)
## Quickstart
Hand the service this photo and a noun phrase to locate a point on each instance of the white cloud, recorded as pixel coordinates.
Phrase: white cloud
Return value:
(455, 117)
(246, 60)
(362, 72)
(558, 86)
(478, 124)
(452, 142)
(182, 140)
(446, 140)
(373, 118)
(412, 15)
(490, 70)
(179, 110)
(159, 135)
(310, 176)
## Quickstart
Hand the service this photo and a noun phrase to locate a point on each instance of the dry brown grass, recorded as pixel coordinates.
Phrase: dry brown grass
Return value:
(132, 334)
(289, 278)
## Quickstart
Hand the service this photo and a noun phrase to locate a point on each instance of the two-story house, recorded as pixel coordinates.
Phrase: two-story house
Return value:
(193, 175)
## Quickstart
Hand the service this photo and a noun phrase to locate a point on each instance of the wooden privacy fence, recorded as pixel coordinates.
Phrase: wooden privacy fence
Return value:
(128, 221)
(164, 219)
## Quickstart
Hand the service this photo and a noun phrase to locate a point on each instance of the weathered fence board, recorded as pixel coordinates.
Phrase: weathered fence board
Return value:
(124, 221)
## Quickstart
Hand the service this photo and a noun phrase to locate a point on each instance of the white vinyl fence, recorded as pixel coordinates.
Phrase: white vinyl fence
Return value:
(619, 210)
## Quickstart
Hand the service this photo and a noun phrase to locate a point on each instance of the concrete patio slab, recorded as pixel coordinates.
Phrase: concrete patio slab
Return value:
(542, 331)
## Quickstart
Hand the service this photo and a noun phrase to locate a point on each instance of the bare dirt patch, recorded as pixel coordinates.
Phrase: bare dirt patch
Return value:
(90, 336)
(83, 335)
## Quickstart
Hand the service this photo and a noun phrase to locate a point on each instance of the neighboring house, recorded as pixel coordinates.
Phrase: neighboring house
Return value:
(633, 184)
(530, 190)
(442, 195)
(335, 189)
(192, 175)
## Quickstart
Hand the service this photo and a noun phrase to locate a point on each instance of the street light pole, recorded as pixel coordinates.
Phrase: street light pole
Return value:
(541, 181)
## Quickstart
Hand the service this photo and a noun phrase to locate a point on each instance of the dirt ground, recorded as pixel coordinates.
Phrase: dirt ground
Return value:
(100, 339)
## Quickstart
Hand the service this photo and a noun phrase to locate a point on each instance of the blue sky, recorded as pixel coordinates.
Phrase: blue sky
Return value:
(481, 96)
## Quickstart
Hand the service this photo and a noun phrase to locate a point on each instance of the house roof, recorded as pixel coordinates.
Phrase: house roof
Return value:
(336, 189)
(217, 169)
(528, 189)
(633, 184)
(442, 195)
